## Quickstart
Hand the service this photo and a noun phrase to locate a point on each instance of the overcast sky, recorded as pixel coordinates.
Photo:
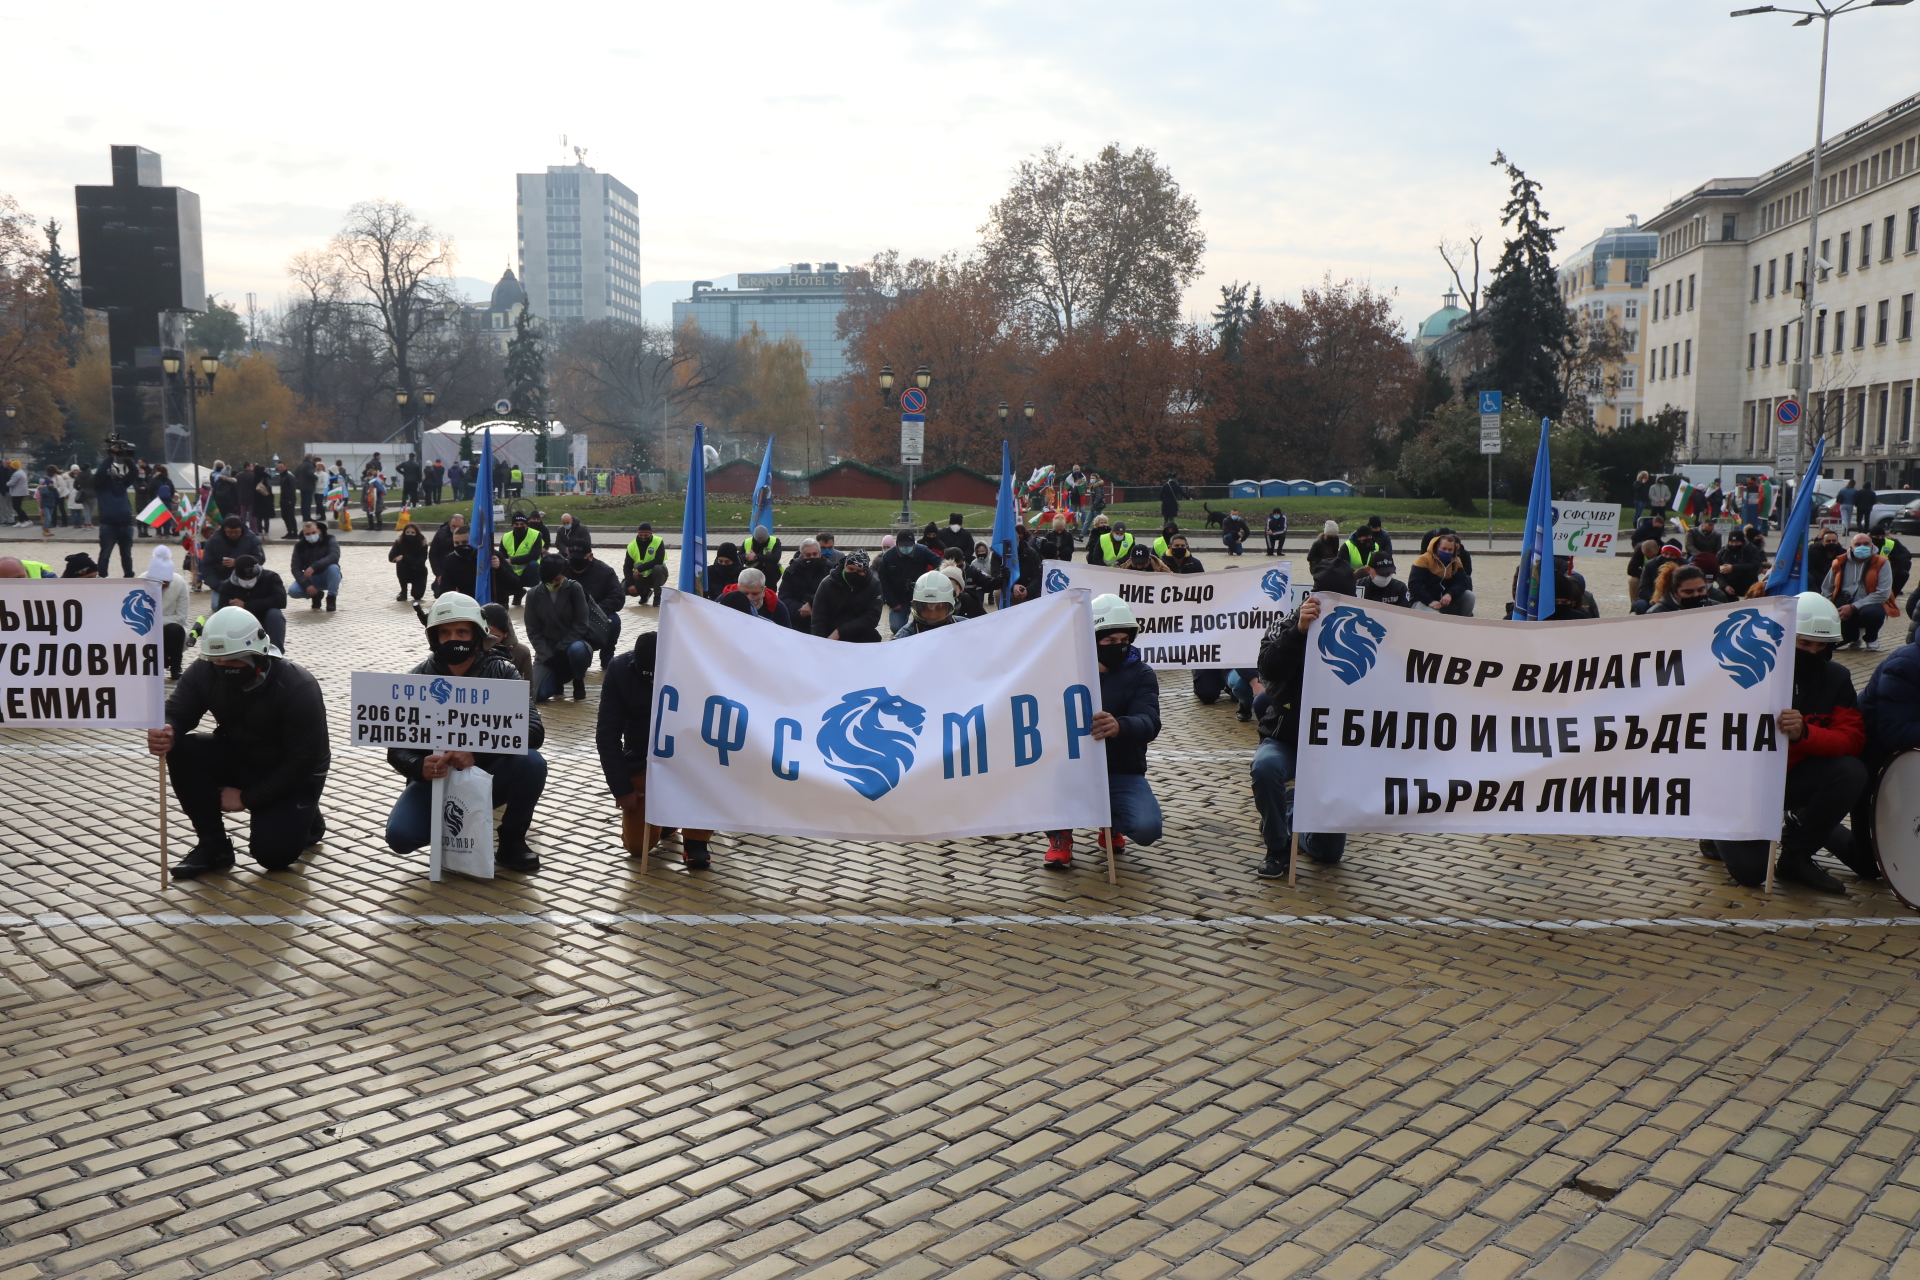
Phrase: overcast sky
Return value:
(1317, 138)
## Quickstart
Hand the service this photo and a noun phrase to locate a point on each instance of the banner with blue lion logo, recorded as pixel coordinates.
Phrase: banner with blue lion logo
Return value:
(1656, 727)
(1190, 621)
(980, 728)
(81, 653)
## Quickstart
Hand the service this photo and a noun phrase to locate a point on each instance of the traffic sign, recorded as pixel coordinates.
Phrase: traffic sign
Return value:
(913, 400)
(1787, 412)
(913, 435)
(1490, 432)
(1489, 402)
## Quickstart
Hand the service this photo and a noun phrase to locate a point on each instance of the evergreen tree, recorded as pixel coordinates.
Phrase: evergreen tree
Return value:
(1232, 316)
(1524, 318)
(527, 369)
(63, 272)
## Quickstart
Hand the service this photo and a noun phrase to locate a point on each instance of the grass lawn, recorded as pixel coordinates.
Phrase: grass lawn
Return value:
(1304, 514)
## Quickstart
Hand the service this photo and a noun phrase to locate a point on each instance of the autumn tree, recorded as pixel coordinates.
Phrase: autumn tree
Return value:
(1128, 403)
(630, 380)
(1090, 245)
(251, 414)
(36, 368)
(1590, 366)
(777, 399)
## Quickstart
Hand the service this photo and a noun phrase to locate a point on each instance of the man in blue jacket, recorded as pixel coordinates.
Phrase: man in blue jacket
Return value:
(1128, 719)
(1890, 705)
(110, 484)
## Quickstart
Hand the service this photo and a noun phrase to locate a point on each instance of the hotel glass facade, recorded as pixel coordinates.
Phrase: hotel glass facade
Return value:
(798, 303)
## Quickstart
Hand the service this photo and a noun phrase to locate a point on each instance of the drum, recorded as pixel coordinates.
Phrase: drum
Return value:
(1896, 826)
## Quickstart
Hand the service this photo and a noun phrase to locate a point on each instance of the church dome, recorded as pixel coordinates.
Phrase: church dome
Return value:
(1441, 322)
(507, 294)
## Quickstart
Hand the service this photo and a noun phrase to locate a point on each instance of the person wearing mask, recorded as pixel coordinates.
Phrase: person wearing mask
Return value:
(1276, 532)
(1897, 555)
(645, 570)
(223, 549)
(605, 593)
(111, 480)
(1825, 735)
(1743, 552)
(408, 556)
(935, 605)
(900, 567)
(1669, 555)
(1680, 586)
(623, 737)
(1057, 542)
(828, 552)
(267, 757)
(1360, 550)
(1382, 586)
(1641, 484)
(459, 646)
(560, 630)
(316, 565)
(80, 565)
(1028, 558)
(1180, 557)
(751, 597)
(505, 639)
(955, 534)
(570, 534)
(176, 606)
(1860, 584)
(762, 551)
(801, 581)
(459, 564)
(724, 572)
(1659, 495)
(1283, 661)
(1441, 580)
(1654, 528)
(443, 543)
(930, 539)
(1127, 721)
(305, 480)
(1162, 543)
(260, 592)
(1109, 545)
(1141, 560)
(1702, 538)
(976, 578)
(1325, 547)
(522, 548)
(1234, 531)
(287, 485)
(847, 605)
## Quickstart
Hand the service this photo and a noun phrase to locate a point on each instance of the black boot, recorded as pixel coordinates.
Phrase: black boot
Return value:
(313, 602)
(331, 602)
(1855, 851)
(402, 595)
(696, 854)
(204, 860)
(579, 690)
(520, 858)
(1802, 869)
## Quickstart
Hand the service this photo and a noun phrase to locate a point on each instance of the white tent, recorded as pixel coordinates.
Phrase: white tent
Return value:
(513, 442)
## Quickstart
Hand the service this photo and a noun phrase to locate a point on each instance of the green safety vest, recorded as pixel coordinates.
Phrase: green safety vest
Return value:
(773, 544)
(528, 542)
(1160, 547)
(37, 570)
(515, 473)
(1353, 554)
(1106, 549)
(656, 547)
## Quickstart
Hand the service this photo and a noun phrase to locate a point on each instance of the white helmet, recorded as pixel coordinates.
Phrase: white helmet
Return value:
(1110, 613)
(1816, 618)
(933, 587)
(233, 632)
(456, 606)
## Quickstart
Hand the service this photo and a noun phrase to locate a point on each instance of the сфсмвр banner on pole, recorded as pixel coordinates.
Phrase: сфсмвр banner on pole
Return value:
(81, 653)
(1189, 621)
(1659, 726)
(977, 728)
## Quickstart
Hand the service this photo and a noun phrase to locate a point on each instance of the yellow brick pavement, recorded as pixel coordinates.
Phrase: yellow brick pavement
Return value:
(828, 1059)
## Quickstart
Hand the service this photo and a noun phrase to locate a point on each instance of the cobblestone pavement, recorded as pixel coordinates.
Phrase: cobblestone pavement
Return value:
(1473, 1056)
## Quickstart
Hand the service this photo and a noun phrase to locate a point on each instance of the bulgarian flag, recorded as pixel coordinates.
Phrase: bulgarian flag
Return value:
(1766, 494)
(1684, 496)
(155, 514)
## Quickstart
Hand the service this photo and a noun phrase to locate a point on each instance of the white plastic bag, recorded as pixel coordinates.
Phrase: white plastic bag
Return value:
(463, 823)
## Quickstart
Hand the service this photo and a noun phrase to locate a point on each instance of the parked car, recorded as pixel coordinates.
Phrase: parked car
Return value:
(1887, 506)
(1907, 519)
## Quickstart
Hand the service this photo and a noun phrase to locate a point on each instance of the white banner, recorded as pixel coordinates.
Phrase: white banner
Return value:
(1189, 621)
(81, 653)
(1586, 529)
(1658, 726)
(438, 713)
(978, 728)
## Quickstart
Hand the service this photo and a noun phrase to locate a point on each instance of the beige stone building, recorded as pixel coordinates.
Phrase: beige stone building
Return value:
(1723, 323)
(1605, 281)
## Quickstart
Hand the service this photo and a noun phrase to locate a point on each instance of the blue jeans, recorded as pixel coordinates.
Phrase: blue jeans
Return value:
(1136, 812)
(897, 618)
(1240, 685)
(116, 533)
(1272, 770)
(556, 670)
(327, 580)
(517, 784)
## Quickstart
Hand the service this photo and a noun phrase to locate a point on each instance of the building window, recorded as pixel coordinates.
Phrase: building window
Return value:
(1846, 250)
(1766, 357)
(1913, 229)
(1866, 246)
(1839, 331)
(1880, 423)
(1773, 275)
(1786, 274)
(1860, 421)
(1753, 346)
(1880, 323)
(1689, 368)
(1826, 255)
(1906, 415)
(1633, 340)
(1752, 416)
(1626, 378)
(1633, 309)
(1906, 317)
(1859, 327)
(1689, 293)
(1756, 282)
(1886, 239)
(1729, 226)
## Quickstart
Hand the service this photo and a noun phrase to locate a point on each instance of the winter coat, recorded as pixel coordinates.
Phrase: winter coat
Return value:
(1428, 580)
(1029, 561)
(913, 627)
(457, 570)
(602, 586)
(1394, 593)
(1323, 548)
(317, 556)
(798, 585)
(219, 548)
(269, 592)
(491, 664)
(176, 601)
(852, 611)
(1890, 704)
(110, 482)
(568, 537)
(621, 733)
(280, 727)
(1858, 582)
(1835, 726)
(772, 611)
(555, 619)
(409, 550)
(899, 568)
(1130, 693)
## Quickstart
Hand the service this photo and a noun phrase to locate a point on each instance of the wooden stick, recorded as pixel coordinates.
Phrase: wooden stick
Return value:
(1113, 867)
(1773, 856)
(649, 836)
(166, 876)
(1293, 861)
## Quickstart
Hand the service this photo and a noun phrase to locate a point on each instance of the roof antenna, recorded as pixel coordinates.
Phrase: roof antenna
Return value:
(563, 148)
(580, 156)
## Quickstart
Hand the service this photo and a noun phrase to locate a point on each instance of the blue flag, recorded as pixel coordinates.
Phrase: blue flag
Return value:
(1006, 524)
(1789, 576)
(763, 494)
(1533, 592)
(480, 525)
(693, 525)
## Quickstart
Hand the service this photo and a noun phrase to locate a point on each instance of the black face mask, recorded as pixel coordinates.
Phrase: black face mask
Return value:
(235, 676)
(1808, 664)
(578, 562)
(856, 579)
(455, 652)
(1690, 602)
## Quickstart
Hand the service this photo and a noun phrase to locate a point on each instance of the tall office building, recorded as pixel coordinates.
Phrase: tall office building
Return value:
(798, 303)
(579, 234)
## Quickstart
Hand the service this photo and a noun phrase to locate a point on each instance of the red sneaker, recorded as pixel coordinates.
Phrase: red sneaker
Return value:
(1119, 842)
(1060, 850)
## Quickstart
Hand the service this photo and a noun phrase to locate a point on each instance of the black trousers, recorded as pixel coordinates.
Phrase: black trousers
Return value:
(306, 505)
(1820, 792)
(201, 764)
(288, 518)
(1277, 543)
(174, 637)
(116, 533)
(414, 578)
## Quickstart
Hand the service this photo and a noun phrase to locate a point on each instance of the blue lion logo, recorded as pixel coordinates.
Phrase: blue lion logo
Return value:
(856, 742)
(1056, 581)
(453, 816)
(1350, 642)
(441, 689)
(1747, 644)
(137, 611)
(1275, 583)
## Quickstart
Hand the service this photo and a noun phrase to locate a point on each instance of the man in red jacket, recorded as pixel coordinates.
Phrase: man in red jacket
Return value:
(1825, 735)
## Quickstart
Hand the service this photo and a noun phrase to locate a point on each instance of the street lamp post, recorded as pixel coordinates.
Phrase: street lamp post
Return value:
(1720, 473)
(171, 364)
(1803, 369)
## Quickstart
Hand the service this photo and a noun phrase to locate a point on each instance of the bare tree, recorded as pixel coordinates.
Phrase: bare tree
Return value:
(1109, 241)
(1590, 371)
(317, 307)
(628, 378)
(398, 264)
(1450, 250)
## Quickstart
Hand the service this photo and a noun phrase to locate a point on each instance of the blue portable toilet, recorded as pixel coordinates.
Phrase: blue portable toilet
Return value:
(1301, 488)
(1274, 489)
(1244, 489)
(1333, 489)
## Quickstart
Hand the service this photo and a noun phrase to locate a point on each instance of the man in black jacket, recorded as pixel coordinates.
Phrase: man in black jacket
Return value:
(409, 470)
(438, 548)
(621, 736)
(1027, 586)
(847, 605)
(801, 581)
(900, 567)
(602, 586)
(559, 630)
(304, 480)
(1283, 665)
(110, 481)
(260, 592)
(457, 635)
(289, 487)
(316, 565)
(1381, 585)
(1234, 531)
(267, 756)
(570, 533)
(1128, 719)
(645, 568)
